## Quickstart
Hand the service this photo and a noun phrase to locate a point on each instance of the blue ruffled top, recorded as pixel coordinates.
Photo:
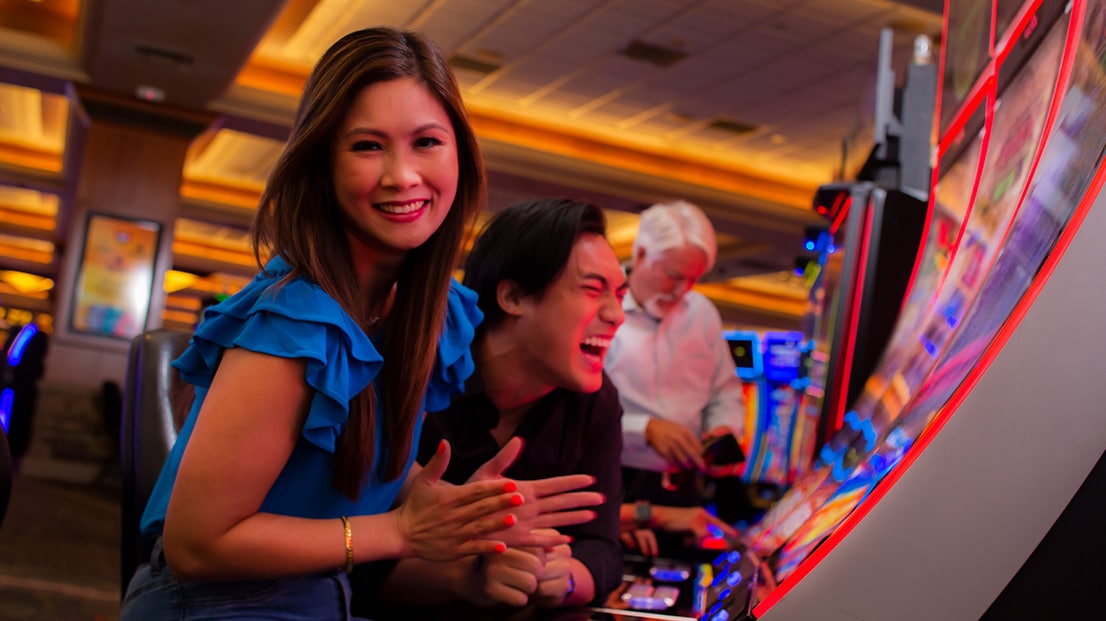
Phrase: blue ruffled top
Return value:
(299, 320)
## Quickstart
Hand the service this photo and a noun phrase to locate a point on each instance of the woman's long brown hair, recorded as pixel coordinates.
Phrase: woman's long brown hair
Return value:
(300, 220)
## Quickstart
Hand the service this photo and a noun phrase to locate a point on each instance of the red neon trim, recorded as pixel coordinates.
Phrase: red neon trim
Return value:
(930, 206)
(841, 214)
(990, 70)
(975, 97)
(994, 28)
(996, 345)
(1021, 21)
(984, 148)
(854, 321)
(954, 402)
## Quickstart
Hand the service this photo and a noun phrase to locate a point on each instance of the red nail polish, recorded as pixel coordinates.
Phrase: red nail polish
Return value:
(500, 548)
(510, 486)
(510, 520)
(441, 447)
(516, 500)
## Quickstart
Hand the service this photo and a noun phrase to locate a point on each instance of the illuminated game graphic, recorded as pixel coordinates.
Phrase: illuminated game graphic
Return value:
(972, 340)
(772, 372)
(1004, 175)
(782, 386)
(1072, 154)
(841, 503)
(1018, 124)
(953, 194)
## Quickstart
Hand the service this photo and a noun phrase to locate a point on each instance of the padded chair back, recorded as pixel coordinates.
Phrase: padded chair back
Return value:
(148, 429)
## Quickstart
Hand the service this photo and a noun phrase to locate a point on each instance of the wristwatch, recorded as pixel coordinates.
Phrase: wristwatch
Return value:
(643, 514)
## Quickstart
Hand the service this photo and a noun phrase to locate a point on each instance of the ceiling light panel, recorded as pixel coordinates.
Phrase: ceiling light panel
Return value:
(330, 19)
(30, 201)
(32, 118)
(25, 243)
(235, 158)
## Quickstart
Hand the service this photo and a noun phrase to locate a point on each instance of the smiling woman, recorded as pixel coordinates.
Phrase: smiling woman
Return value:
(395, 170)
(296, 459)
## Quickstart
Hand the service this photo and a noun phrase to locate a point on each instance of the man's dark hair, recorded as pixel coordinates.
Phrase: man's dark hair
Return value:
(528, 244)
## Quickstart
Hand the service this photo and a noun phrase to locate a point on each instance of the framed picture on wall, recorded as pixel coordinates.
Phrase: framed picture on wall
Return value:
(115, 276)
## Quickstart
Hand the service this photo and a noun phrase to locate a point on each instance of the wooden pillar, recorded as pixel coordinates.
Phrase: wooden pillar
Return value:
(110, 284)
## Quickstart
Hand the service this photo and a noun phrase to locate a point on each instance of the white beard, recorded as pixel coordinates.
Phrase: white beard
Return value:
(654, 308)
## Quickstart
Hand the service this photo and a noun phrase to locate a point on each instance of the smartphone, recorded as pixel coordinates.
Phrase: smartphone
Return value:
(722, 450)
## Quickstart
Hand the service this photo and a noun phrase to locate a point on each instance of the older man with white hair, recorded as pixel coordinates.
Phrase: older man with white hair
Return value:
(674, 373)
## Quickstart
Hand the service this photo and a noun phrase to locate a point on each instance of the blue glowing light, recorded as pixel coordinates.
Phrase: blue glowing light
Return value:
(15, 354)
(6, 397)
(830, 456)
(864, 427)
(809, 245)
(930, 348)
(733, 580)
(734, 556)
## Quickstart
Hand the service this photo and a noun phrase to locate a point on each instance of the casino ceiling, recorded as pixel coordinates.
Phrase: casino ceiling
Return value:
(741, 106)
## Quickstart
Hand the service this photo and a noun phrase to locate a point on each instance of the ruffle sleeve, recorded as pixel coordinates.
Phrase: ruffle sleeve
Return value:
(455, 363)
(293, 320)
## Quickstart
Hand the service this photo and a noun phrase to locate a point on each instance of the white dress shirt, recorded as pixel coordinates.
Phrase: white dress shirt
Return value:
(679, 369)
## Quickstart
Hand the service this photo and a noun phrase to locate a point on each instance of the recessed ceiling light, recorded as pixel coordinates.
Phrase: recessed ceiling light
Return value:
(469, 63)
(653, 54)
(733, 126)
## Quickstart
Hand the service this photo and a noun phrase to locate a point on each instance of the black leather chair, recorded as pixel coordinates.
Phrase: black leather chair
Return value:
(152, 415)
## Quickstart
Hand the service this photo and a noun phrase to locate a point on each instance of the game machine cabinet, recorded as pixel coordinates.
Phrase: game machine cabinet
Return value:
(875, 225)
(939, 511)
(745, 349)
(777, 430)
(876, 228)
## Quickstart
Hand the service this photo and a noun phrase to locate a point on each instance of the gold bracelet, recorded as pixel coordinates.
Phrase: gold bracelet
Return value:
(349, 544)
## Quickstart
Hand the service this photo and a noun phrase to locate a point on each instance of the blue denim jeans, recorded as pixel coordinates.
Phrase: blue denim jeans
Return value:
(155, 594)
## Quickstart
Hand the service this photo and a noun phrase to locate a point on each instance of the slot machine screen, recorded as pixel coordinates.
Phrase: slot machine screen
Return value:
(746, 354)
(782, 356)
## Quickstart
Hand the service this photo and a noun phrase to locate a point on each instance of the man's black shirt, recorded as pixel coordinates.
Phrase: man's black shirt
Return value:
(565, 432)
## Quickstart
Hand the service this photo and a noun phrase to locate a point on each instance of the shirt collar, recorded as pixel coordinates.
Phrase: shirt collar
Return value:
(481, 407)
